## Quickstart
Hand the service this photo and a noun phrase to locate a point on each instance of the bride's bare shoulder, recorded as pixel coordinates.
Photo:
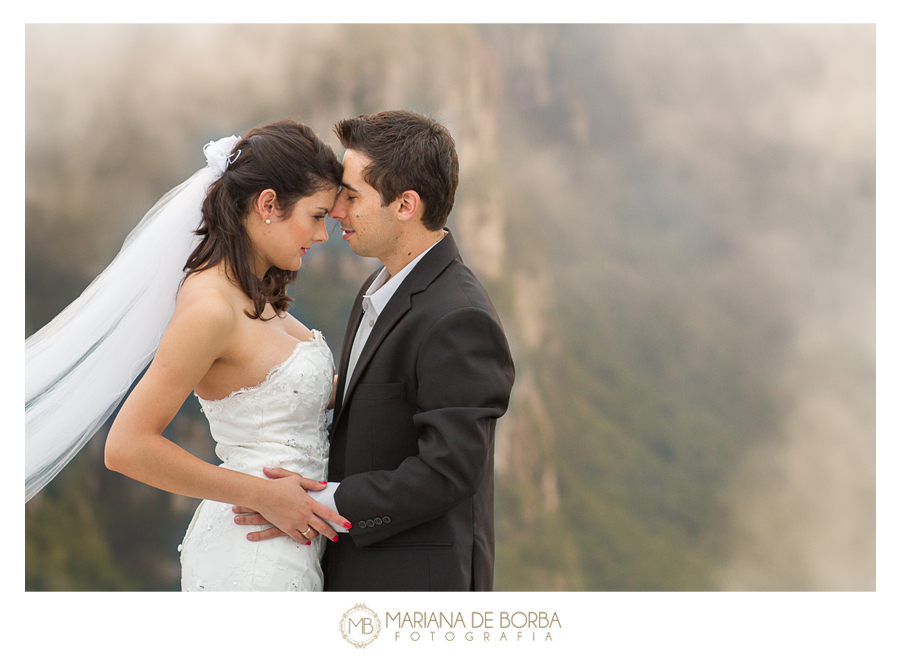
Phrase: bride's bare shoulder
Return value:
(208, 295)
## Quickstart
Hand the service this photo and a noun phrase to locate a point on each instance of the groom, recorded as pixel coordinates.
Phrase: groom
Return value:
(424, 374)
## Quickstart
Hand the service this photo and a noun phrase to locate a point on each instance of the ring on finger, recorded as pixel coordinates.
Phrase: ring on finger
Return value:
(304, 533)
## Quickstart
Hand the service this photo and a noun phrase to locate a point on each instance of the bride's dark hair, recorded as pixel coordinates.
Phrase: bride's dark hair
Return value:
(284, 156)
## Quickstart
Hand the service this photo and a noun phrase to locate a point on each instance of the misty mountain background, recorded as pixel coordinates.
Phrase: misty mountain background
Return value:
(676, 224)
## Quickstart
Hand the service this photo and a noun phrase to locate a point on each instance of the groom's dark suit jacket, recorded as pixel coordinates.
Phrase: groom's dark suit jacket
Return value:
(412, 444)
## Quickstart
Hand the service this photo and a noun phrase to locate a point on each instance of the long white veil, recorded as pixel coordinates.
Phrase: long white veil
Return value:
(80, 366)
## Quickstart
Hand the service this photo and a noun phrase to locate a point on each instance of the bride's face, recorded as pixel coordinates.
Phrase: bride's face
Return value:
(285, 239)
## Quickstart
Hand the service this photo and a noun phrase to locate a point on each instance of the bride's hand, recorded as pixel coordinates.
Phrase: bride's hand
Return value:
(290, 510)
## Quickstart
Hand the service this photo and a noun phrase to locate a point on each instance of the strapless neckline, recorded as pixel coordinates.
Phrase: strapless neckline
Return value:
(274, 370)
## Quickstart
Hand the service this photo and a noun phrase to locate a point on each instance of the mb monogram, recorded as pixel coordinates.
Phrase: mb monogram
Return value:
(360, 626)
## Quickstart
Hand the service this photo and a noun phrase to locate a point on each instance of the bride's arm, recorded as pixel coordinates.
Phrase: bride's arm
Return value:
(198, 334)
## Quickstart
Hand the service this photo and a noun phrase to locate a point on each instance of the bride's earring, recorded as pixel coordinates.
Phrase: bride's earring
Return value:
(268, 221)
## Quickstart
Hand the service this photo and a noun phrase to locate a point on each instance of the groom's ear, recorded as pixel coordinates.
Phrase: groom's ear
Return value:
(409, 206)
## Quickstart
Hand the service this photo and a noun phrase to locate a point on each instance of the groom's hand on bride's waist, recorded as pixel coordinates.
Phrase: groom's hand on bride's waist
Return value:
(246, 516)
(306, 517)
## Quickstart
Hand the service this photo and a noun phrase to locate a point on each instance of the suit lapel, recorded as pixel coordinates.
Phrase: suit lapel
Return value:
(432, 264)
(395, 309)
(356, 313)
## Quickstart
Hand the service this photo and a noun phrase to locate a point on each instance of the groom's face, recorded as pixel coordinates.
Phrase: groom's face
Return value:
(369, 227)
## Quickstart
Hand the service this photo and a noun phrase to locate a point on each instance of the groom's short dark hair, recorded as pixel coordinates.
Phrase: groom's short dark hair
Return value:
(409, 151)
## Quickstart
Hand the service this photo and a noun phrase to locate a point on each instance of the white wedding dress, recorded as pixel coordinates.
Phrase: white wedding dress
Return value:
(279, 423)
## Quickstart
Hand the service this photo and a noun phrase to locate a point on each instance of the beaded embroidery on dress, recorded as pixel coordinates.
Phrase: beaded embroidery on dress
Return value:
(279, 423)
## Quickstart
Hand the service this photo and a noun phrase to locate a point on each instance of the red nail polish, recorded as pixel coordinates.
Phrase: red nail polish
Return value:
(308, 543)
(323, 482)
(335, 538)
(348, 526)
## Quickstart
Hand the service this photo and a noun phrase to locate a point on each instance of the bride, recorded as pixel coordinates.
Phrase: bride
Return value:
(263, 379)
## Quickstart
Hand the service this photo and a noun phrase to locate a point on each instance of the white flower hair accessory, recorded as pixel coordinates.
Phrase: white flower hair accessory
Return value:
(218, 154)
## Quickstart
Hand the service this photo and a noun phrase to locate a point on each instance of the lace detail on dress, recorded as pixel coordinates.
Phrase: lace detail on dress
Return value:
(277, 423)
(318, 340)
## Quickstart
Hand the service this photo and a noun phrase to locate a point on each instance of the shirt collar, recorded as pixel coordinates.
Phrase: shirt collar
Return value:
(384, 286)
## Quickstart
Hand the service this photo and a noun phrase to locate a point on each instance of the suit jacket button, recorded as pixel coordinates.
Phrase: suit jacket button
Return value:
(370, 523)
(362, 524)
(386, 519)
(378, 520)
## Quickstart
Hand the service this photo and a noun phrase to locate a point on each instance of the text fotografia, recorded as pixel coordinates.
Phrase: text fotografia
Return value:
(478, 626)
